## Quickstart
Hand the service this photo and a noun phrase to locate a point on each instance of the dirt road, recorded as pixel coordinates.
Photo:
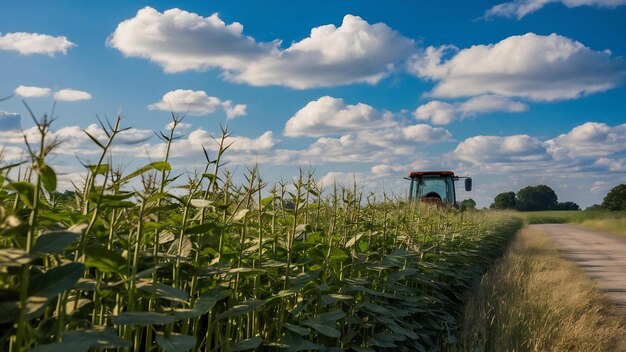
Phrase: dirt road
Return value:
(601, 255)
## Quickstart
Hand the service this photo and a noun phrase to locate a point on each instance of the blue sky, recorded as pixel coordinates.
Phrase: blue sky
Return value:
(513, 94)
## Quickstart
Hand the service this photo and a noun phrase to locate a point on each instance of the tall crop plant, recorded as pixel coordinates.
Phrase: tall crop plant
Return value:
(142, 261)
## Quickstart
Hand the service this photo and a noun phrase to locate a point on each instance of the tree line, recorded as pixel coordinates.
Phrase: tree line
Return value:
(542, 197)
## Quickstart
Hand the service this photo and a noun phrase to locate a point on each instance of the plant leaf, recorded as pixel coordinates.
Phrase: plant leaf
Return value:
(248, 344)
(242, 308)
(142, 318)
(163, 291)
(157, 165)
(48, 178)
(56, 280)
(25, 190)
(105, 260)
(176, 342)
(54, 242)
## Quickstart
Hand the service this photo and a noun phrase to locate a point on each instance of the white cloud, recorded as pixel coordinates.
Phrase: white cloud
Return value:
(196, 103)
(600, 187)
(495, 149)
(10, 121)
(73, 139)
(71, 95)
(193, 143)
(490, 103)
(521, 8)
(591, 149)
(329, 116)
(10, 153)
(424, 162)
(441, 113)
(591, 139)
(374, 145)
(347, 148)
(34, 43)
(531, 66)
(178, 41)
(355, 52)
(32, 92)
(357, 133)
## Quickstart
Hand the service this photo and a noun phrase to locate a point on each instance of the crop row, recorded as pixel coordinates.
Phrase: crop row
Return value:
(143, 261)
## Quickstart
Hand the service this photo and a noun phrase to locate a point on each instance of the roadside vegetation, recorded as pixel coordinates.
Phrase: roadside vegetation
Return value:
(143, 261)
(539, 205)
(532, 299)
(602, 220)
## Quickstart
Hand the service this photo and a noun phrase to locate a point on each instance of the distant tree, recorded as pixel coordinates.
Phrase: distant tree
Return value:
(616, 198)
(567, 206)
(468, 204)
(66, 200)
(595, 207)
(540, 197)
(506, 200)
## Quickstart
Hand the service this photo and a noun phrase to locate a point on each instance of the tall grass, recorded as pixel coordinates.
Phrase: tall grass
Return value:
(139, 262)
(534, 300)
(602, 220)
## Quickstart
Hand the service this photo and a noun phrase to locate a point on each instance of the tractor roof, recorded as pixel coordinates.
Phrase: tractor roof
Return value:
(430, 173)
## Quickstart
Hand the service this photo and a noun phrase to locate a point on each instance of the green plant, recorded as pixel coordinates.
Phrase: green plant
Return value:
(143, 261)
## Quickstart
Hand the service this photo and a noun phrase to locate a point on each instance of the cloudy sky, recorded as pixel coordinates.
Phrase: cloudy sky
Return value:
(511, 93)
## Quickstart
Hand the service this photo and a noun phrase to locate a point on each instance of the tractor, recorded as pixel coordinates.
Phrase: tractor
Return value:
(435, 187)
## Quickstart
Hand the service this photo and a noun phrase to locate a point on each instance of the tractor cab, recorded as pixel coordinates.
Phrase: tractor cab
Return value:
(435, 187)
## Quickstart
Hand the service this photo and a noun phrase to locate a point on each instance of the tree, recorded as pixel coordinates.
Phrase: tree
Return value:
(567, 206)
(468, 204)
(616, 198)
(540, 197)
(504, 200)
(595, 207)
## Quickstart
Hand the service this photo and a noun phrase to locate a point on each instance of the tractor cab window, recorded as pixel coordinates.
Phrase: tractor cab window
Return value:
(437, 187)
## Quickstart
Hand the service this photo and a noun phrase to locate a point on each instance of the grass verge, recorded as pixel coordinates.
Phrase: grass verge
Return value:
(534, 300)
(608, 221)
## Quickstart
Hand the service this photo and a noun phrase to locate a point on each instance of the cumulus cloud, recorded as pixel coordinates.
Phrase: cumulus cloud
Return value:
(355, 52)
(531, 66)
(591, 139)
(71, 95)
(192, 145)
(179, 41)
(442, 113)
(495, 149)
(10, 121)
(60, 95)
(439, 112)
(197, 103)
(73, 139)
(591, 148)
(32, 92)
(11, 153)
(357, 133)
(328, 115)
(34, 43)
(521, 8)
(374, 145)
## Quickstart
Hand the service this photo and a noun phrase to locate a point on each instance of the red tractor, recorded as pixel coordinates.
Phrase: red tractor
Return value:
(435, 187)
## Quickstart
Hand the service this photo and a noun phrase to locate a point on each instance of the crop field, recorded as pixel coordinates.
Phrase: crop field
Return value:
(142, 261)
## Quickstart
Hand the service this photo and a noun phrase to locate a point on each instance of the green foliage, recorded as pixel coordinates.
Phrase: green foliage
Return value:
(540, 197)
(506, 200)
(231, 267)
(595, 207)
(567, 206)
(616, 198)
(468, 204)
